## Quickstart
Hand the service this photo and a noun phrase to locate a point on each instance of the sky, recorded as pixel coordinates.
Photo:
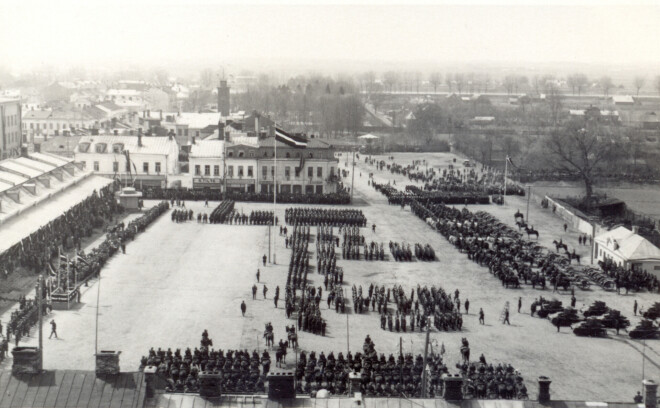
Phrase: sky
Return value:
(152, 33)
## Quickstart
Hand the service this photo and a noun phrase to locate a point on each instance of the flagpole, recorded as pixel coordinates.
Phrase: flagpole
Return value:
(274, 190)
(506, 173)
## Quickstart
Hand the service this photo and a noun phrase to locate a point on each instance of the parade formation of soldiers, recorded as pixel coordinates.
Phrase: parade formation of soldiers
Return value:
(221, 213)
(317, 216)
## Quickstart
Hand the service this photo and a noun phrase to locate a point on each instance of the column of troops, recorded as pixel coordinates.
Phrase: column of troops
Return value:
(317, 216)
(220, 214)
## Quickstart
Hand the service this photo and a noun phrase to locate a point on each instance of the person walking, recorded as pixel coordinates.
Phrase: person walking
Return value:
(53, 329)
(565, 227)
(506, 316)
(519, 303)
(254, 292)
(264, 259)
(573, 301)
(265, 291)
(635, 307)
(243, 308)
(481, 316)
(258, 274)
(467, 306)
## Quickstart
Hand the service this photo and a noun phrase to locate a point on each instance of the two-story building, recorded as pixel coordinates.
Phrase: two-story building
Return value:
(206, 163)
(152, 159)
(242, 164)
(310, 170)
(11, 130)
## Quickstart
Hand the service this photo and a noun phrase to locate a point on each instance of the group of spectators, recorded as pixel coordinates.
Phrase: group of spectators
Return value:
(157, 193)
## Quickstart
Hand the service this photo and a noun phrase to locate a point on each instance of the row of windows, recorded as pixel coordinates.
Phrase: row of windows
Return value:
(11, 120)
(57, 126)
(207, 170)
(287, 155)
(115, 167)
(250, 171)
(13, 137)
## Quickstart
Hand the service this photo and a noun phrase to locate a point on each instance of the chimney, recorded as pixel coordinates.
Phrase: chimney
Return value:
(140, 137)
(635, 229)
(544, 389)
(650, 393)
(223, 99)
(256, 124)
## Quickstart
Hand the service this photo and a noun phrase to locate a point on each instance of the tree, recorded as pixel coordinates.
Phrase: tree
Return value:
(429, 119)
(509, 83)
(577, 82)
(435, 79)
(639, 83)
(449, 80)
(606, 84)
(460, 82)
(391, 79)
(580, 146)
(510, 146)
(418, 79)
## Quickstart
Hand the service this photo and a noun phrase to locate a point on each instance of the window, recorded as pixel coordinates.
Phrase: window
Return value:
(311, 155)
(145, 167)
(310, 171)
(185, 132)
(287, 171)
(51, 125)
(158, 167)
(250, 172)
(84, 164)
(197, 133)
(216, 170)
(101, 147)
(241, 153)
(197, 170)
(230, 154)
(272, 171)
(117, 147)
(240, 171)
(115, 167)
(38, 126)
(288, 155)
(332, 171)
(264, 171)
(31, 125)
(96, 166)
(319, 172)
(207, 170)
(251, 154)
(230, 171)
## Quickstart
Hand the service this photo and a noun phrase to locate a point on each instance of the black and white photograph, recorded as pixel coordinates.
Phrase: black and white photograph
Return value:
(435, 204)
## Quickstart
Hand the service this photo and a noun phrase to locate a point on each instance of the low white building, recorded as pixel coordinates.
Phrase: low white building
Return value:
(628, 249)
(152, 158)
(206, 163)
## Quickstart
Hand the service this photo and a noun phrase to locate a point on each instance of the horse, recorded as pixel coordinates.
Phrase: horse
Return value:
(521, 225)
(270, 338)
(280, 357)
(465, 353)
(559, 245)
(573, 255)
(531, 231)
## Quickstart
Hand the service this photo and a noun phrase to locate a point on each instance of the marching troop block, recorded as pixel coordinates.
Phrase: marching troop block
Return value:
(281, 385)
(107, 362)
(27, 360)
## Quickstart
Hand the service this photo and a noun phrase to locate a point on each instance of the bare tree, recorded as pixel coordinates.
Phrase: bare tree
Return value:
(606, 84)
(509, 83)
(449, 80)
(580, 147)
(639, 83)
(418, 79)
(435, 79)
(460, 82)
(391, 79)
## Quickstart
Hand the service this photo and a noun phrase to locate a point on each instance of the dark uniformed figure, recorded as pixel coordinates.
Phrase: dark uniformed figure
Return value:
(467, 306)
(254, 292)
(53, 329)
(481, 316)
(506, 316)
(243, 308)
(123, 247)
(635, 307)
(264, 259)
(573, 300)
(265, 291)
(258, 275)
(519, 303)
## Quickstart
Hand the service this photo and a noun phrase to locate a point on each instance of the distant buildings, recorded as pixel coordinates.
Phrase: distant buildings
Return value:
(224, 101)
(11, 131)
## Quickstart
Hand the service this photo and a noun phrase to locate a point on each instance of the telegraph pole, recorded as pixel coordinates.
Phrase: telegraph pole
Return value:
(40, 291)
(353, 176)
(529, 191)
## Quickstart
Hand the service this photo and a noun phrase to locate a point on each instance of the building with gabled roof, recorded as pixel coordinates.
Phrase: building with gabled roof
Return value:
(628, 249)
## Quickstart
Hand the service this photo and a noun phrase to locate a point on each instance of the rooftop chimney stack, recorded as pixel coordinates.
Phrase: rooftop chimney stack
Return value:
(140, 137)
(221, 130)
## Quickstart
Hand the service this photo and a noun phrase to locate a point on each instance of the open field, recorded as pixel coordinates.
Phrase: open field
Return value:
(178, 279)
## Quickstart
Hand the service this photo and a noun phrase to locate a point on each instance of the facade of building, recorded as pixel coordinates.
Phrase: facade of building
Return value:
(628, 249)
(310, 170)
(152, 158)
(242, 164)
(56, 122)
(206, 164)
(11, 129)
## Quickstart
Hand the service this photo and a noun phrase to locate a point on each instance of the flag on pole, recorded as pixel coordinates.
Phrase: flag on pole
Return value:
(289, 139)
